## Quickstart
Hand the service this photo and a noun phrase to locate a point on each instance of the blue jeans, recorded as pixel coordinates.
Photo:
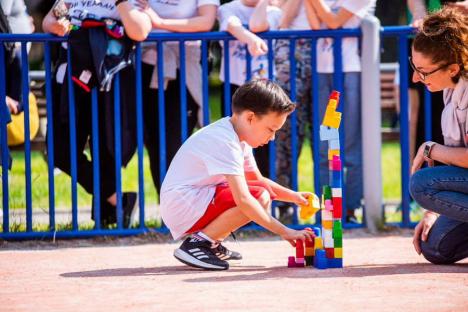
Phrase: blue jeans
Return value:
(444, 190)
(350, 105)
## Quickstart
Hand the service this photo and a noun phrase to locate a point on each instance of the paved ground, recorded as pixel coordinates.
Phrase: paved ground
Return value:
(381, 274)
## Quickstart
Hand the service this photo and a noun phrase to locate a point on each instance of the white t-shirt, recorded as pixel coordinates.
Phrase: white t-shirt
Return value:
(237, 50)
(350, 46)
(78, 10)
(197, 168)
(300, 22)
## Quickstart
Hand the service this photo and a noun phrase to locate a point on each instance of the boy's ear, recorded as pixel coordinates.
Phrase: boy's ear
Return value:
(250, 116)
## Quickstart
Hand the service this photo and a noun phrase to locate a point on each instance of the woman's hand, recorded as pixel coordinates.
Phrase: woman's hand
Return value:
(292, 235)
(143, 6)
(419, 159)
(12, 105)
(60, 27)
(421, 231)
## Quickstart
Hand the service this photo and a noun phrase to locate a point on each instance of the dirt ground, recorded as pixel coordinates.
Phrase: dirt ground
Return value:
(382, 273)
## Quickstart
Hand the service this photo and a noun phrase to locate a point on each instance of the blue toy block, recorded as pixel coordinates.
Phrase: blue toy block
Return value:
(335, 179)
(320, 259)
(335, 263)
(334, 144)
(317, 231)
(327, 133)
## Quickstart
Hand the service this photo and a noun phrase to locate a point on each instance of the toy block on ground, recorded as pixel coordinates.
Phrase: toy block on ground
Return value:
(330, 252)
(300, 262)
(299, 249)
(320, 259)
(309, 260)
(328, 238)
(335, 263)
(327, 133)
(318, 243)
(291, 262)
(313, 206)
(338, 252)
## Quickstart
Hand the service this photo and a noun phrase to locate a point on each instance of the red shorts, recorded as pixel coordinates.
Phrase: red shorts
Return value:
(223, 200)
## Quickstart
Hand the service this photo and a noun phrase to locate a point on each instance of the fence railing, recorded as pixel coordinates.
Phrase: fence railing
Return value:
(401, 33)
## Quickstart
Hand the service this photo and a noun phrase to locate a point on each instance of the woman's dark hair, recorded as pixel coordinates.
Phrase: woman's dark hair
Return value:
(443, 37)
(261, 97)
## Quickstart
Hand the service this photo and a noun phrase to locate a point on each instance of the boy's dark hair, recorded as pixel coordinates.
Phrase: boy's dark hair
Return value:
(261, 97)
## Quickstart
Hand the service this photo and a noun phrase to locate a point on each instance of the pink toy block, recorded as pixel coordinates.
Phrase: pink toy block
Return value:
(328, 205)
(336, 163)
(291, 262)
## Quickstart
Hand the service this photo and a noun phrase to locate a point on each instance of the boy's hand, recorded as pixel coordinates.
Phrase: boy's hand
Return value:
(292, 235)
(421, 231)
(257, 46)
(301, 198)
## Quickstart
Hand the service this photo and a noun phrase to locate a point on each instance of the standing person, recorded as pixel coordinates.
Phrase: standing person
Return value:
(440, 61)
(173, 16)
(111, 46)
(346, 14)
(297, 15)
(213, 186)
(242, 19)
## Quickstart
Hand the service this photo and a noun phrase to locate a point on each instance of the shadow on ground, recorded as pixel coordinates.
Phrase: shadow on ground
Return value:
(261, 273)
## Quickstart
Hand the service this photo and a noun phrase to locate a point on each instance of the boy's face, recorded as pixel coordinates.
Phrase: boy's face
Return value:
(250, 3)
(259, 130)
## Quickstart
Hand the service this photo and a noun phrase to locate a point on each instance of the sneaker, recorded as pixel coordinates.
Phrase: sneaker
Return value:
(225, 254)
(197, 253)
(108, 214)
(129, 202)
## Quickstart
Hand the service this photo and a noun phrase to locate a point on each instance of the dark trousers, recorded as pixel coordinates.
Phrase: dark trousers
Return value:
(261, 154)
(172, 121)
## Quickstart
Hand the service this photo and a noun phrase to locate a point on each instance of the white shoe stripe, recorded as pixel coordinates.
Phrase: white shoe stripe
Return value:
(183, 256)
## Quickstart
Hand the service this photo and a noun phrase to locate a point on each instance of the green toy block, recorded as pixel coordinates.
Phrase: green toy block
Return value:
(338, 242)
(337, 229)
(327, 193)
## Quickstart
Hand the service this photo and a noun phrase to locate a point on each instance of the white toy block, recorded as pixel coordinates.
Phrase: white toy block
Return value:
(327, 215)
(327, 133)
(337, 192)
(328, 241)
(334, 144)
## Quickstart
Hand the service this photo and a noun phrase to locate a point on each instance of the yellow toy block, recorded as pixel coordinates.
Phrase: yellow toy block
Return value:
(312, 207)
(332, 153)
(327, 224)
(332, 121)
(338, 253)
(318, 243)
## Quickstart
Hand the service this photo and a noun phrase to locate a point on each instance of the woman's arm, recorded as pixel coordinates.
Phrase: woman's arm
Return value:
(326, 15)
(454, 156)
(52, 25)
(137, 24)
(204, 21)
(290, 10)
(312, 17)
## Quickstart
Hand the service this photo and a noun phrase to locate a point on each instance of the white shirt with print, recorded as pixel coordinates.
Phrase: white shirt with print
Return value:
(198, 167)
(79, 10)
(350, 46)
(237, 50)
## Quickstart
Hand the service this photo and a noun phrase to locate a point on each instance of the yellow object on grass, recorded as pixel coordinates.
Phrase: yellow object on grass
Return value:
(15, 129)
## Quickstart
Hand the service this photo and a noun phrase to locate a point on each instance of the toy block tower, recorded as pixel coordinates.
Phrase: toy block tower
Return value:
(332, 230)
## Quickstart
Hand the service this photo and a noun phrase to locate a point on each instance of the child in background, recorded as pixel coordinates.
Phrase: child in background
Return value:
(242, 19)
(213, 185)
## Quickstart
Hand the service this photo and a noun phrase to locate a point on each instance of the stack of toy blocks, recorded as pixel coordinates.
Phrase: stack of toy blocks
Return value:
(326, 251)
(332, 193)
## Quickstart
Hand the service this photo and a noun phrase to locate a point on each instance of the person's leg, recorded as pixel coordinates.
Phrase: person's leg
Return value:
(442, 189)
(447, 241)
(353, 175)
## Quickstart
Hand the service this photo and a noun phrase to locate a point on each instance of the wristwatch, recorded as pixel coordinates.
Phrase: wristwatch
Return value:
(427, 150)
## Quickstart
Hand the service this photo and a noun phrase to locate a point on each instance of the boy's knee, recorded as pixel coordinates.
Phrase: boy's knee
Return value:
(264, 199)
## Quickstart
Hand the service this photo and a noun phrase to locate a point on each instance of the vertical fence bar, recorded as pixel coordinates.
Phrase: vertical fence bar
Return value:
(404, 121)
(206, 103)
(427, 115)
(4, 119)
(72, 129)
(271, 144)
(338, 85)
(139, 125)
(95, 156)
(162, 113)
(50, 135)
(183, 92)
(118, 150)
(27, 131)
(248, 64)
(293, 116)
(315, 121)
(227, 79)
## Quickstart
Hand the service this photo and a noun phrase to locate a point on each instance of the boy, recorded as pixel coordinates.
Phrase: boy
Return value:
(213, 185)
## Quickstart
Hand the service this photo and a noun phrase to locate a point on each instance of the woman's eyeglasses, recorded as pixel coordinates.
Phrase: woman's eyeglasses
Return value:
(422, 74)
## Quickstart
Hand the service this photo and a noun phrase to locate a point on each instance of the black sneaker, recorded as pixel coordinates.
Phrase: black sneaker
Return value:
(197, 253)
(129, 202)
(225, 254)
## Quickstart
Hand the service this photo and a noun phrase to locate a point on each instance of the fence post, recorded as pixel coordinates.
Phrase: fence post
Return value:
(371, 121)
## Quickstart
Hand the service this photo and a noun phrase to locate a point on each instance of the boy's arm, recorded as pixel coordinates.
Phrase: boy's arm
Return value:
(282, 193)
(258, 22)
(252, 209)
(204, 20)
(137, 24)
(331, 19)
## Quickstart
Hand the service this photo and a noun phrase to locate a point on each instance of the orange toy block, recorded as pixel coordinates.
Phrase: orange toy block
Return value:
(332, 153)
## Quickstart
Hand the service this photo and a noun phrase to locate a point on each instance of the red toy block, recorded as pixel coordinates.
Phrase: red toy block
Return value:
(337, 203)
(330, 252)
(309, 244)
(299, 249)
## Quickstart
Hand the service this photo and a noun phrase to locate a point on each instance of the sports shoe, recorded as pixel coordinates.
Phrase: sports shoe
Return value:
(225, 254)
(197, 253)
(129, 201)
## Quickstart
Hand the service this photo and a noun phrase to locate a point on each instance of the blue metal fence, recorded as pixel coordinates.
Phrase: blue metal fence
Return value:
(401, 33)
